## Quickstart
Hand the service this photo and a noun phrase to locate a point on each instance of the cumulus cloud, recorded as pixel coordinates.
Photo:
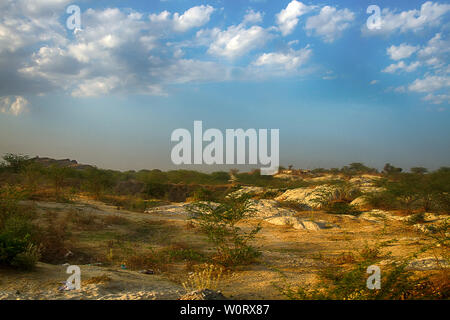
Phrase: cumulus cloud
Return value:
(329, 23)
(436, 52)
(437, 99)
(430, 14)
(235, 41)
(191, 18)
(13, 105)
(430, 83)
(402, 66)
(401, 52)
(287, 19)
(252, 17)
(25, 22)
(124, 51)
(288, 60)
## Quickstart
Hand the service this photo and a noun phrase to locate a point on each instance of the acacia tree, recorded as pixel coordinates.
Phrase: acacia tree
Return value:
(58, 176)
(16, 162)
(219, 223)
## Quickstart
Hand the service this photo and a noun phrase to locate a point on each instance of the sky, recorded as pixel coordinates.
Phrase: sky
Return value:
(111, 92)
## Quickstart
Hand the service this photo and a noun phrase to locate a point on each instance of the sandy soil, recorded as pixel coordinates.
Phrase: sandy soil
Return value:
(288, 255)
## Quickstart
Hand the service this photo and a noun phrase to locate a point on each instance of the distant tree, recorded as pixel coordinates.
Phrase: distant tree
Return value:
(32, 173)
(16, 162)
(99, 180)
(334, 170)
(58, 176)
(290, 167)
(359, 168)
(155, 190)
(419, 170)
(390, 169)
(318, 170)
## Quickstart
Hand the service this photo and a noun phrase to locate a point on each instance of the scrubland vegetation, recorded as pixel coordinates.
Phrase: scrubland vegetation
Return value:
(50, 212)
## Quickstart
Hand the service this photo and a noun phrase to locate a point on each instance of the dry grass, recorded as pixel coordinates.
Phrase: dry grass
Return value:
(97, 280)
(115, 220)
(206, 276)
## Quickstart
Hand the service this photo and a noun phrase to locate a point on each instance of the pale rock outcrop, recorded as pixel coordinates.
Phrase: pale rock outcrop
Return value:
(179, 208)
(428, 263)
(273, 213)
(295, 223)
(247, 190)
(251, 190)
(309, 197)
(266, 208)
(360, 202)
(377, 215)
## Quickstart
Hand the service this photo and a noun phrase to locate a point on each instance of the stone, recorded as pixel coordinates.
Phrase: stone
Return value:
(294, 222)
(428, 263)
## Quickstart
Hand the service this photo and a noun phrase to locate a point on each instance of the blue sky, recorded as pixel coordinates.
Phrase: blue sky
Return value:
(111, 93)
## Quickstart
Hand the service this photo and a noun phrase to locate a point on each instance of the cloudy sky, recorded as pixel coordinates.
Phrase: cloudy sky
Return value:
(111, 92)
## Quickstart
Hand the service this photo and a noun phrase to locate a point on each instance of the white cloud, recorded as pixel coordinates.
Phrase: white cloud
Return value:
(287, 19)
(401, 52)
(373, 82)
(191, 18)
(235, 41)
(96, 87)
(329, 23)
(435, 53)
(24, 23)
(429, 15)
(252, 17)
(430, 83)
(289, 60)
(437, 99)
(402, 66)
(13, 105)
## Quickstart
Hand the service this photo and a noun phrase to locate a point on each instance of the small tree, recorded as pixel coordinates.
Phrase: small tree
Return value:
(16, 162)
(219, 223)
(58, 176)
(390, 169)
(419, 170)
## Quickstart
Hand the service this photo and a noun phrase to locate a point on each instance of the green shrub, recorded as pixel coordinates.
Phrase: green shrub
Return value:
(203, 194)
(156, 190)
(16, 230)
(219, 223)
(27, 259)
(350, 283)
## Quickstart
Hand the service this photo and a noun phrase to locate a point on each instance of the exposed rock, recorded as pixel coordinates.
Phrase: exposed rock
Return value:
(204, 294)
(247, 190)
(63, 163)
(297, 223)
(421, 227)
(310, 197)
(377, 215)
(428, 263)
(179, 208)
(252, 190)
(360, 202)
(266, 208)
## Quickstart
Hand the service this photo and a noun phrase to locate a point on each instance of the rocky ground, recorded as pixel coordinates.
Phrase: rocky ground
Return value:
(293, 244)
